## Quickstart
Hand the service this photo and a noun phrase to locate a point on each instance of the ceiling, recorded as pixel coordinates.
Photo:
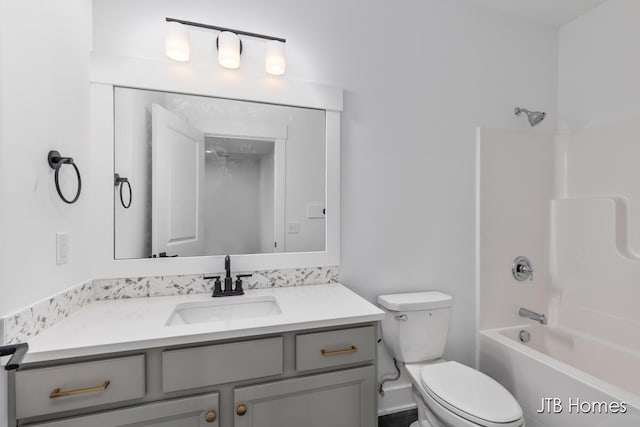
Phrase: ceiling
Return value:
(548, 12)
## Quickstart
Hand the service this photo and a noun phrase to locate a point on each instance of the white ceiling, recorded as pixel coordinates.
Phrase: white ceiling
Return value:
(549, 12)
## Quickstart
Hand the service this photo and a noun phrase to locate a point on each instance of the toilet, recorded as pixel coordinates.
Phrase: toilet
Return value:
(448, 394)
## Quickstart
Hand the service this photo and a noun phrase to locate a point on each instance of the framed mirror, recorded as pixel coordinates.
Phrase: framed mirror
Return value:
(260, 125)
(205, 176)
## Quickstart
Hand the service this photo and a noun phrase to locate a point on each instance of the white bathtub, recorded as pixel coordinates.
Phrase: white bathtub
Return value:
(586, 379)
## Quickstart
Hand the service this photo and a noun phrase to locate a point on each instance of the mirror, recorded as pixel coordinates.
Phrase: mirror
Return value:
(213, 176)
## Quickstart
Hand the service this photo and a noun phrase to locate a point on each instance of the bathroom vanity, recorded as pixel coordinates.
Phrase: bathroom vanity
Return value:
(312, 364)
(281, 357)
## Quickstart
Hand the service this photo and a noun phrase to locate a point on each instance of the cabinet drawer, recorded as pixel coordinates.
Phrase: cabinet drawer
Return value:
(218, 364)
(335, 348)
(79, 385)
(199, 411)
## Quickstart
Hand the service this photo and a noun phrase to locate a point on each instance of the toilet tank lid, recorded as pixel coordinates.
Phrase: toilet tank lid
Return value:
(413, 301)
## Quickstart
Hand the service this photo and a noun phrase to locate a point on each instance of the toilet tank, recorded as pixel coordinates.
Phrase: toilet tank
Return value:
(416, 325)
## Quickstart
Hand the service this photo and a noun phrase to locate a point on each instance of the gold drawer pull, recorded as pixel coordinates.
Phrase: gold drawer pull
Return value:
(326, 353)
(59, 393)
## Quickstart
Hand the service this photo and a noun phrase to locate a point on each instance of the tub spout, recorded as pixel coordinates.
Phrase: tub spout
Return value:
(524, 312)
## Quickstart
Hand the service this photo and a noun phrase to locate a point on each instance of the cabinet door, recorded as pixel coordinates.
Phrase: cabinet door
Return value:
(198, 411)
(337, 399)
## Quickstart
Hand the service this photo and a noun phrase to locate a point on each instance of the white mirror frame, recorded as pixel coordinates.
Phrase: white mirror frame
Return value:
(107, 72)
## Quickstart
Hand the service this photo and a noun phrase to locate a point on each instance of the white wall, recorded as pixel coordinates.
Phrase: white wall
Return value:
(599, 66)
(44, 71)
(44, 104)
(408, 127)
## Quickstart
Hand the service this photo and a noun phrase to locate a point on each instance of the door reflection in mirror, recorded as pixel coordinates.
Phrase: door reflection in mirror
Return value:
(217, 176)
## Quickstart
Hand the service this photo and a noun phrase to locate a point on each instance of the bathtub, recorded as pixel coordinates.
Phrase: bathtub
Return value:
(564, 379)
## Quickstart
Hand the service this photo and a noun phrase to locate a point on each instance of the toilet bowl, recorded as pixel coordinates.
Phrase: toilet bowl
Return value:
(447, 393)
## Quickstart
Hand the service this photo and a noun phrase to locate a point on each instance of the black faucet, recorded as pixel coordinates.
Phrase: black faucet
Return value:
(228, 282)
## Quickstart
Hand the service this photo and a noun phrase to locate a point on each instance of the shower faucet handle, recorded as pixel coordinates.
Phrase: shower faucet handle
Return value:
(522, 269)
(525, 269)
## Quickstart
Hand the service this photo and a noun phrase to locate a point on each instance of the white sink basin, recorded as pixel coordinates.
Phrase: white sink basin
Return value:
(222, 309)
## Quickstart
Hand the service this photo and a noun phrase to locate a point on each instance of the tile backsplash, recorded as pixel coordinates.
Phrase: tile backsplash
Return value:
(30, 321)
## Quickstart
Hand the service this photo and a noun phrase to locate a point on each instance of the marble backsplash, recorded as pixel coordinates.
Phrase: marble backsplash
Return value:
(30, 321)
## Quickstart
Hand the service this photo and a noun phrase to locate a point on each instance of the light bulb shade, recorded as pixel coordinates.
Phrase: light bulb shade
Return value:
(177, 45)
(228, 50)
(275, 63)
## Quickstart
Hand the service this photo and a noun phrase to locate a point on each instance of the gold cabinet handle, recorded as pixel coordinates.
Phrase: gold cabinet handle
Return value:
(241, 409)
(326, 353)
(59, 393)
(211, 416)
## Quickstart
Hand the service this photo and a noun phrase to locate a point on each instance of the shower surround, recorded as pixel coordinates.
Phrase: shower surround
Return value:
(572, 205)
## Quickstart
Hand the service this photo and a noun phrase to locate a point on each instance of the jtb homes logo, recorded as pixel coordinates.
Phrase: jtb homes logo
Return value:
(555, 405)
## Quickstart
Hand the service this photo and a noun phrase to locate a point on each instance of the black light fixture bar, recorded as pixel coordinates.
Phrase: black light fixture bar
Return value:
(213, 27)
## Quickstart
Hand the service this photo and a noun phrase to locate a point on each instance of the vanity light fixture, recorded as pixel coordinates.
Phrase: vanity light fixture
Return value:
(228, 43)
(229, 50)
(177, 44)
(274, 59)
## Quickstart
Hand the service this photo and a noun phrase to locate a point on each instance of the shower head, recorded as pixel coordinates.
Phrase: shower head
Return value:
(535, 117)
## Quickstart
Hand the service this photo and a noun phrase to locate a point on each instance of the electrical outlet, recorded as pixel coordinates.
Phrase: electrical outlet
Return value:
(62, 248)
(293, 227)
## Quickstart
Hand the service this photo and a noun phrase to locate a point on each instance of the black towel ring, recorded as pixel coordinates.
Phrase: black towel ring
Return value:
(120, 180)
(55, 162)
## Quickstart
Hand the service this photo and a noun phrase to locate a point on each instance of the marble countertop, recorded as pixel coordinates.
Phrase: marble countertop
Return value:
(134, 324)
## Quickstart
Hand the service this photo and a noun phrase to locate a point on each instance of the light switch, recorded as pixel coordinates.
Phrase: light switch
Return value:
(293, 227)
(62, 248)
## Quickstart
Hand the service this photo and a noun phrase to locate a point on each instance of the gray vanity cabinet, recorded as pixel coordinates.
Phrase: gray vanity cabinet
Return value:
(337, 399)
(198, 411)
(312, 378)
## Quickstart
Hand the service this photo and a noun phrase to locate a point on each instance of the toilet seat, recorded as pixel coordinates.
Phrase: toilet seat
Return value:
(471, 395)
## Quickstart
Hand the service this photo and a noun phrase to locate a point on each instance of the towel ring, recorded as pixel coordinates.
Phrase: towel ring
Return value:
(121, 180)
(55, 162)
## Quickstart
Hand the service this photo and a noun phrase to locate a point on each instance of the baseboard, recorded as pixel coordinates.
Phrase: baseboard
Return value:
(397, 398)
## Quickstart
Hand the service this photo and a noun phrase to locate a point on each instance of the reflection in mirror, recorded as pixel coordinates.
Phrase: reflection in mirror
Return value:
(213, 176)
